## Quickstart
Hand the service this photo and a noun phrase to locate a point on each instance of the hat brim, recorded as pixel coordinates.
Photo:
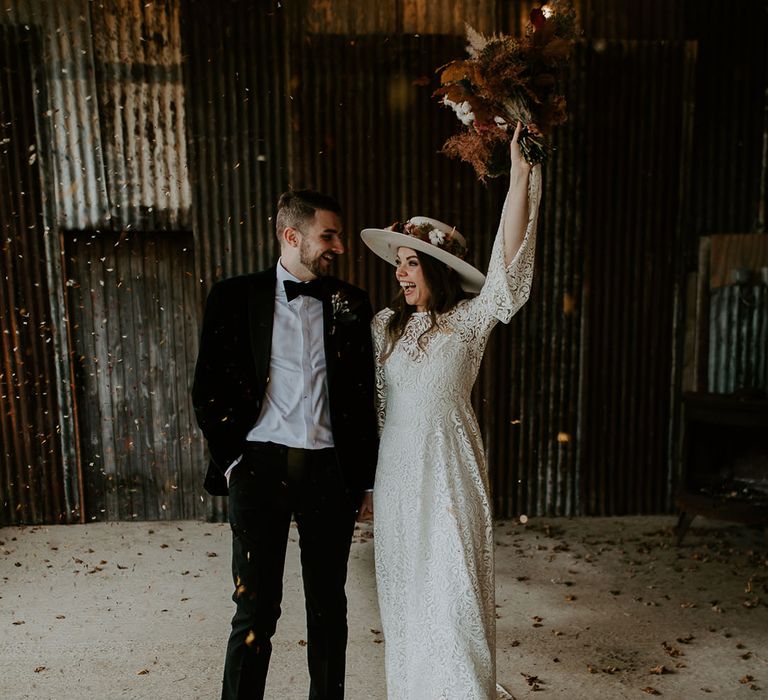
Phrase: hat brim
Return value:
(386, 243)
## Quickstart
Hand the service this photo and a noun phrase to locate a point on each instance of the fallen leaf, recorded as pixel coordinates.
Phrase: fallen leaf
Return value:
(651, 691)
(671, 650)
(659, 670)
(143, 672)
(39, 668)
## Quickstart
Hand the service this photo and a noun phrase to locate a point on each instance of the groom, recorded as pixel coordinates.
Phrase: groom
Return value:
(283, 393)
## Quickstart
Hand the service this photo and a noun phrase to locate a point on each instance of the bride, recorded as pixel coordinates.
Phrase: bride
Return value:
(432, 525)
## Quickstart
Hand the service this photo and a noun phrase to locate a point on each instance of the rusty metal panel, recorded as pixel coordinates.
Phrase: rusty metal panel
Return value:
(111, 101)
(729, 169)
(600, 19)
(137, 55)
(132, 304)
(354, 18)
(649, 20)
(31, 483)
(576, 397)
(635, 95)
(236, 86)
(67, 109)
(738, 338)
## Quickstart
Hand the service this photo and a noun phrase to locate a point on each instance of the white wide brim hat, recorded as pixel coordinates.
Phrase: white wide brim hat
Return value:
(385, 244)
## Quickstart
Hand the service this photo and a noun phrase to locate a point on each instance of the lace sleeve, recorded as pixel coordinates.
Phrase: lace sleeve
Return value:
(378, 332)
(507, 287)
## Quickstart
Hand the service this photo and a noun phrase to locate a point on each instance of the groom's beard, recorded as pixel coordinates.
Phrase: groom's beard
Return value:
(319, 264)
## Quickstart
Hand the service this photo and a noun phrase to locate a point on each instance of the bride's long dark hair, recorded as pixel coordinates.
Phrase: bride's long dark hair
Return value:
(444, 293)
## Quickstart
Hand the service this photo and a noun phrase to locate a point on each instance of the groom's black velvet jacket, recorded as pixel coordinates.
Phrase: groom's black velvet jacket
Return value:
(232, 373)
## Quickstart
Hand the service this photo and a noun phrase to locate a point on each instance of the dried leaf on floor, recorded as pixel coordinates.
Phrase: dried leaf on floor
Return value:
(660, 670)
(671, 650)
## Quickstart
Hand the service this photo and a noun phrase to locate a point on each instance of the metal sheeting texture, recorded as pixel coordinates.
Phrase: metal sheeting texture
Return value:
(31, 478)
(107, 120)
(132, 304)
(738, 338)
(112, 106)
(236, 86)
(637, 149)
(729, 183)
(137, 56)
(578, 397)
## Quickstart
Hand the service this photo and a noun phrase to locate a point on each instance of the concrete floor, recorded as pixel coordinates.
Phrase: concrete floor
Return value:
(587, 608)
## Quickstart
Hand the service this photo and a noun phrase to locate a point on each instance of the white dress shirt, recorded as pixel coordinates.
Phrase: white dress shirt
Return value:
(295, 411)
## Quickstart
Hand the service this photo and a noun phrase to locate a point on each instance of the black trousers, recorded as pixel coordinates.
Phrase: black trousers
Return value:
(266, 488)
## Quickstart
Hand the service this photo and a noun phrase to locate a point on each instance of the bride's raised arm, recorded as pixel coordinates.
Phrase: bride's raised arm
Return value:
(510, 271)
(515, 209)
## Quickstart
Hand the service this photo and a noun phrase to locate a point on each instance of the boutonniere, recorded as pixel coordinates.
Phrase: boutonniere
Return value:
(341, 311)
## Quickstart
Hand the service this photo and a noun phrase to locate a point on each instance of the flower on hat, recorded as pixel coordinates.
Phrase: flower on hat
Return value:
(436, 237)
(446, 240)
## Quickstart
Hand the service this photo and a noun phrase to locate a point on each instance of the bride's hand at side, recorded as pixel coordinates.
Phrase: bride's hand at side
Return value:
(365, 513)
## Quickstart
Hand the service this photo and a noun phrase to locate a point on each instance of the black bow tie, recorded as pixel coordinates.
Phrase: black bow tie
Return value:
(313, 288)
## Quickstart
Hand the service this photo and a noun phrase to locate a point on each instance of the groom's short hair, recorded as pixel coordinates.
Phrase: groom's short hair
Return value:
(296, 207)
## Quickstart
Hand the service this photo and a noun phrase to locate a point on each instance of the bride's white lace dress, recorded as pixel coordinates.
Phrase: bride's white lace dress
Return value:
(432, 524)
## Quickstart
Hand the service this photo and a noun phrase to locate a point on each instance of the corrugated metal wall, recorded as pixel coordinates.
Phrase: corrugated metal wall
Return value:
(140, 92)
(31, 483)
(164, 116)
(728, 169)
(738, 338)
(636, 96)
(238, 131)
(109, 115)
(132, 304)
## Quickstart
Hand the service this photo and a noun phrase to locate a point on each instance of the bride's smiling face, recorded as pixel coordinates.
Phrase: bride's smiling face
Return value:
(410, 276)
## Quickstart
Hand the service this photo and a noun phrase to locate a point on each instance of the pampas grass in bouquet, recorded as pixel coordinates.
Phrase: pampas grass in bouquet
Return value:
(506, 80)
